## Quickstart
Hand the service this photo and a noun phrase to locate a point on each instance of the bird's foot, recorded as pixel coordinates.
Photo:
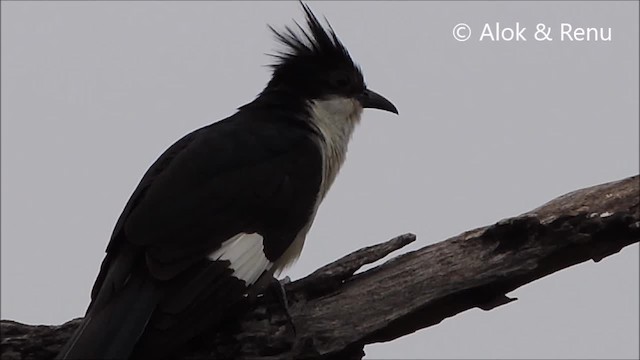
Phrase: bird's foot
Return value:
(276, 288)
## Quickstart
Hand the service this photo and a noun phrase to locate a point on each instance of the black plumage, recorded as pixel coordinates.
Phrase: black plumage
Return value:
(212, 184)
(258, 171)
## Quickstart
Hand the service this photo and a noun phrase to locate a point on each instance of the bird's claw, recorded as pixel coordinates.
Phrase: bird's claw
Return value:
(277, 290)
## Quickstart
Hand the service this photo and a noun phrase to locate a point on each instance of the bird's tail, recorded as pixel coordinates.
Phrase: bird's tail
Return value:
(111, 332)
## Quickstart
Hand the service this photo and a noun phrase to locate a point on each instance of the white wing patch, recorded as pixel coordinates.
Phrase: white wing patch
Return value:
(245, 252)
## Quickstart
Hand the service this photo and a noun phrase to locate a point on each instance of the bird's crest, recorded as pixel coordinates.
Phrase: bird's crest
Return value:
(316, 42)
(316, 48)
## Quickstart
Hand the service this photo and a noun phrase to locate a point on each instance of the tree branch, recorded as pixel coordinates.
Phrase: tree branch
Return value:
(336, 311)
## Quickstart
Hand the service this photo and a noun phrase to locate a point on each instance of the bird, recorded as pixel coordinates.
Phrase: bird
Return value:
(228, 206)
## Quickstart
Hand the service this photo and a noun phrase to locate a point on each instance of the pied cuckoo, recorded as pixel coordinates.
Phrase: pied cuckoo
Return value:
(227, 205)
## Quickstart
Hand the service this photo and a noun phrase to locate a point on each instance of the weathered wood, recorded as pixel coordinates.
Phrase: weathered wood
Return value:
(336, 312)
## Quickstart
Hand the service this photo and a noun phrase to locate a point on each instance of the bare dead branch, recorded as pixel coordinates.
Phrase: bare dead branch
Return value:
(336, 311)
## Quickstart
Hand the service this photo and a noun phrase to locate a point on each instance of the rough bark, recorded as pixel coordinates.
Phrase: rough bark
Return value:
(336, 311)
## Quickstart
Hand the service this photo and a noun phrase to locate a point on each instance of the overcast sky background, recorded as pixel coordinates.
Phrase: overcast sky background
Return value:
(93, 92)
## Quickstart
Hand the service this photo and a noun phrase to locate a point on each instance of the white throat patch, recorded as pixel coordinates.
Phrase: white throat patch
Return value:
(335, 118)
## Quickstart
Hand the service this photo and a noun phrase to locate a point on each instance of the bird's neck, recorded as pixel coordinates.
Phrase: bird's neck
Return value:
(334, 119)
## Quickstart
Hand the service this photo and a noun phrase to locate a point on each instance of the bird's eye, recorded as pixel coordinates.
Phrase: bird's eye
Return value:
(340, 80)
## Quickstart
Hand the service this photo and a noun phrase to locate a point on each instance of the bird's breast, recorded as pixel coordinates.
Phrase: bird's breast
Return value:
(334, 120)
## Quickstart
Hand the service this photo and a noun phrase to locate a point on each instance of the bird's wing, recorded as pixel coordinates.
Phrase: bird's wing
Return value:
(196, 224)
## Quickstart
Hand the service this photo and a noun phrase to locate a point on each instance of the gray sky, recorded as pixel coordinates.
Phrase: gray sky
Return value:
(93, 92)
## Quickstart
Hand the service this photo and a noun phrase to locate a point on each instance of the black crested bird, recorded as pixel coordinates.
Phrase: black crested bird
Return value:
(227, 205)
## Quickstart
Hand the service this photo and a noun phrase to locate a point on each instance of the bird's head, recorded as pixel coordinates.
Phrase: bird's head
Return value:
(316, 67)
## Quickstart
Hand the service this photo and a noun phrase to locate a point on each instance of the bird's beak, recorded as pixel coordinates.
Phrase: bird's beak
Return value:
(371, 99)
